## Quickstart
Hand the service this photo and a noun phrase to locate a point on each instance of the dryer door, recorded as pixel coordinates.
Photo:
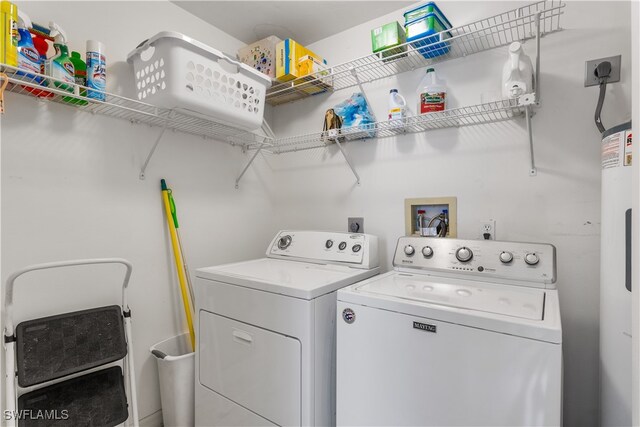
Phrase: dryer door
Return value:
(256, 368)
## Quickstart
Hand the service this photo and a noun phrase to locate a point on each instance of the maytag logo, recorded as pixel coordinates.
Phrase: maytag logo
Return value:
(424, 327)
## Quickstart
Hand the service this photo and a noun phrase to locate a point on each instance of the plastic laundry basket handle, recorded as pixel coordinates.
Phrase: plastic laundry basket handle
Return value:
(8, 296)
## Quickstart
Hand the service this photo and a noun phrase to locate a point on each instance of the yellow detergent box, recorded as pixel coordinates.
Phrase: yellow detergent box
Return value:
(288, 55)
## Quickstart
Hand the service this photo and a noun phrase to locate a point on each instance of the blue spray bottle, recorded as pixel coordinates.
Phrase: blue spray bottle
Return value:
(28, 56)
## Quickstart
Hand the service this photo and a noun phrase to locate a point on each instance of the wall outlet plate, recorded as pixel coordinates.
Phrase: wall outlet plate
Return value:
(488, 226)
(590, 78)
(355, 225)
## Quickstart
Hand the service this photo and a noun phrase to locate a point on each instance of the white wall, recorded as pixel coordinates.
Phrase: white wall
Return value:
(70, 188)
(75, 194)
(485, 167)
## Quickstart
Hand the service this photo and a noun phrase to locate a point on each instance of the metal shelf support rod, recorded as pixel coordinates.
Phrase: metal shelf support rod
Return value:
(346, 158)
(354, 72)
(537, 80)
(533, 171)
(155, 145)
(267, 129)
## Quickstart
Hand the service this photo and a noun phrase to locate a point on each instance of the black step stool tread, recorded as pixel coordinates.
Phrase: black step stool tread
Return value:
(61, 345)
(95, 399)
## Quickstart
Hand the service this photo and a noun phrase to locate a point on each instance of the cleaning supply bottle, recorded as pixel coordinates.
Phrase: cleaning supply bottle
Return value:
(432, 94)
(28, 56)
(9, 29)
(42, 46)
(96, 70)
(397, 105)
(29, 63)
(80, 75)
(60, 66)
(79, 68)
(517, 73)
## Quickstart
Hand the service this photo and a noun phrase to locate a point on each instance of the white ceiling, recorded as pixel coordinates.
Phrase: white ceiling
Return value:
(304, 21)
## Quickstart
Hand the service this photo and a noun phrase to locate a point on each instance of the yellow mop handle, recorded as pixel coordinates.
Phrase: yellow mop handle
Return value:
(179, 267)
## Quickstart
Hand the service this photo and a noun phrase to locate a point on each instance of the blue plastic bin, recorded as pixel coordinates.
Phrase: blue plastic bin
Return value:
(427, 34)
(424, 10)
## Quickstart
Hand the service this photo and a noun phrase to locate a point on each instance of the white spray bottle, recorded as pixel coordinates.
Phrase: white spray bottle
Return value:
(517, 73)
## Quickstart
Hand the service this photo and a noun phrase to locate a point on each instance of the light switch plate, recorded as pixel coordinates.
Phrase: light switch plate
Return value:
(355, 225)
(590, 78)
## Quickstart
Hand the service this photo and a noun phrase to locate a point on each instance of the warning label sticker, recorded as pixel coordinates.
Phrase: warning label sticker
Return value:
(617, 150)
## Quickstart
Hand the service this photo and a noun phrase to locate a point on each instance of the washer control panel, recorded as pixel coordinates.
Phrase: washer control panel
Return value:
(356, 250)
(532, 263)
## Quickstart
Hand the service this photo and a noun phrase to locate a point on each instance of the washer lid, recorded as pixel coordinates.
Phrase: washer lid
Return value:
(524, 303)
(293, 278)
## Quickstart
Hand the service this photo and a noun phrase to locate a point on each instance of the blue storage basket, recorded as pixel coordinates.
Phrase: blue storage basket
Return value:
(427, 34)
(423, 10)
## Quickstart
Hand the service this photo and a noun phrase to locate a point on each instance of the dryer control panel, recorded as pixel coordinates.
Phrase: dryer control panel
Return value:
(354, 250)
(529, 264)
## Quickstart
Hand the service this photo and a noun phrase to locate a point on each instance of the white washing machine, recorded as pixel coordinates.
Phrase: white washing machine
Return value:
(460, 333)
(265, 330)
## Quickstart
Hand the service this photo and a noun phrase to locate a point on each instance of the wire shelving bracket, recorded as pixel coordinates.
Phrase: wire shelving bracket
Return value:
(265, 141)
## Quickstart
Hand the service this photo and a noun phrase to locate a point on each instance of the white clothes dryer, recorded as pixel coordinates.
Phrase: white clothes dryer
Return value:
(265, 329)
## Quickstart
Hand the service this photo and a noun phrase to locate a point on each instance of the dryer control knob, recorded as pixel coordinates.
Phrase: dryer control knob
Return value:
(427, 251)
(284, 242)
(464, 254)
(409, 250)
(506, 257)
(531, 258)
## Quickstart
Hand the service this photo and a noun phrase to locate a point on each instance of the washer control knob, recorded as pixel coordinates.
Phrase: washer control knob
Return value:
(409, 250)
(342, 246)
(464, 254)
(506, 257)
(531, 258)
(427, 252)
(284, 242)
(328, 244)
(356, 248)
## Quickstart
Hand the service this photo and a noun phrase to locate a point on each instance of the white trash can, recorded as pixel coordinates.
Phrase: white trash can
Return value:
(176, 369)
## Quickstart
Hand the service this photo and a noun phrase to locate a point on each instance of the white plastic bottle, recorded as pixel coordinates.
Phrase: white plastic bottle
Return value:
(397, 105)
(517, 73)
(432, 94)
(96, 70)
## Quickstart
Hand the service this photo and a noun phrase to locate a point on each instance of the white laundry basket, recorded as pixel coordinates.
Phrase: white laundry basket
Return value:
(175, 71)
(176, 369)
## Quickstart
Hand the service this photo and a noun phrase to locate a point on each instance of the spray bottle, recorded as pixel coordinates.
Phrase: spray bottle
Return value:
(60, 66)
(28, 56)
(42, 46)
(29, 63)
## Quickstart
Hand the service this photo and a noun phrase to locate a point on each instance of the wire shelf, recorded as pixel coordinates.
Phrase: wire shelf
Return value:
(489, 33)
(49, 89)
(473, 115)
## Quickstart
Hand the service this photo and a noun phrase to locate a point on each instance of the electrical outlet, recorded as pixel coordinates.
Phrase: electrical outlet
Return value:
(590, 78)
(488, 227)
(355, 225)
